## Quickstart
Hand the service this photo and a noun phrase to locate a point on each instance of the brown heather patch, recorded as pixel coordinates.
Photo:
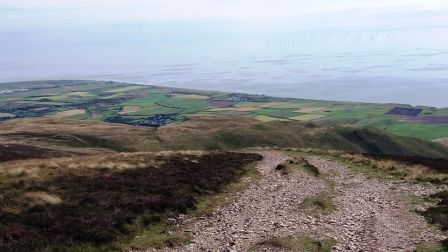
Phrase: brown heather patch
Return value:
(104, 200)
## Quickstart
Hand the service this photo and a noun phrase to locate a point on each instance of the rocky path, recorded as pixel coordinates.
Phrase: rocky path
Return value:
(370, 215)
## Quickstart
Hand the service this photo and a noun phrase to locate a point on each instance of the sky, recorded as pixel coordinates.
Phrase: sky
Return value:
(45, 14)
(324, 49)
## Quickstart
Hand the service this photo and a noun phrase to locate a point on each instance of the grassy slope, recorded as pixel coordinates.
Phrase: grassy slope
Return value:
(209, 133)
(228, 132)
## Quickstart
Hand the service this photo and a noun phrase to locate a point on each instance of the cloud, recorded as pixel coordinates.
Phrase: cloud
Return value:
(233, 16)
(235, 10)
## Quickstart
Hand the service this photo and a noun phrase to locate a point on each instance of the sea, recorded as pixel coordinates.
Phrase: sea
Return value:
(408, 66)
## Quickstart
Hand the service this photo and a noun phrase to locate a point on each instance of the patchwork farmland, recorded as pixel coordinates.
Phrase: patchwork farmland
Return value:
(155, 106)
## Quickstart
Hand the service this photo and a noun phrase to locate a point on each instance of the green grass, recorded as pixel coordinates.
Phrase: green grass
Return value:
(149, 101)
(438, 215)
(362, 110)
(432, 247)
(167, 105)
(443, 112)
(297, 243)
(188, 106)
(307, 117)
(283, 113)
(125, 89)
(422, 131)
(320, 204)
(158, 237)
(375, 141)
(265, 118)
(155, 110)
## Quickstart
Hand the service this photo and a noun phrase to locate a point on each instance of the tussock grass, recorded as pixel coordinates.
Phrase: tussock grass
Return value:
(43, 198)
(48, 169)
(409, 168)
(438, 214)
(313, 170)
(297, 163)
(320, 204)
(413, 170)
(297, 243)
(157, 236)
(432, 247)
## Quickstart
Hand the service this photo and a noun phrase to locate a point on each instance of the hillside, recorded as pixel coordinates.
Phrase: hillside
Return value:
(292, 200)
(106, 166)
(31, 138)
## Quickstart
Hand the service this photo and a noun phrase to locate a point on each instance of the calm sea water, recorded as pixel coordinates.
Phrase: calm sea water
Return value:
(404, 66)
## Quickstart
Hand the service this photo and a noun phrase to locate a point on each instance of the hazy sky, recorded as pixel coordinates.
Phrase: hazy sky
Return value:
(32, 14)
(325, 49)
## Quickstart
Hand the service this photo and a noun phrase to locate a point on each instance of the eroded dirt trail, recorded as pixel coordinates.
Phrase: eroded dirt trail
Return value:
(371, 215)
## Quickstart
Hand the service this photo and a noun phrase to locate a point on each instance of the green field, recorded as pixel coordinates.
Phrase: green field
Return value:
(157, 106)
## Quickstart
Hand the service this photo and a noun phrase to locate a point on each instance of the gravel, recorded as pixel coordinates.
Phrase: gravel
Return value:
(371, 214)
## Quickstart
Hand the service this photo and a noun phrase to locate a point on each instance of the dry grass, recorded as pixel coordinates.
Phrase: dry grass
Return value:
(306, 117)
(308, 110)
(204, 125)
(6, 115)
(68, 135)
(210, 132)
(443, 141)
(47, 169)
(43, 198)
(191, 96)
(130, 109)
(395, 168)
(69, 113)
(261, 104)
(82, 94)
(237, 109)
(124, 89)
(112, 96)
